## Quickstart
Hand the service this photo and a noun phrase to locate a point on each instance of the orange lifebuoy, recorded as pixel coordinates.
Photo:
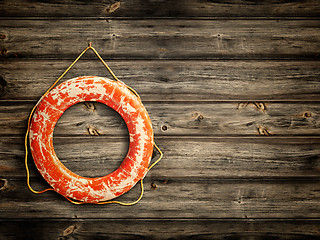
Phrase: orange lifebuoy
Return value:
(116, 95)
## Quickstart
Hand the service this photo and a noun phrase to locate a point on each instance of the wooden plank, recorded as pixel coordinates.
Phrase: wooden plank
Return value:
(179, 118)
(159, 229)
(174, 80)
(161, 8)
(184, 158)
(175, 199)
(149, 39)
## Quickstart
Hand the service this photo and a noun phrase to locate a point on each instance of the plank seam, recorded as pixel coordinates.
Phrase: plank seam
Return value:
(84, 18)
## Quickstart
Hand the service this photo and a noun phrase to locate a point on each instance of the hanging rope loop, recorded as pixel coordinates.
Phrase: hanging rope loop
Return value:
(31, 114)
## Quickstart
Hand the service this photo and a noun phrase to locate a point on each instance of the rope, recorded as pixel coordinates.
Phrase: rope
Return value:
(141, 184)
(33, 109)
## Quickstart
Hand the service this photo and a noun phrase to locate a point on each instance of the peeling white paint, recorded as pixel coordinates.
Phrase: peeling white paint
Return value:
(94, 89)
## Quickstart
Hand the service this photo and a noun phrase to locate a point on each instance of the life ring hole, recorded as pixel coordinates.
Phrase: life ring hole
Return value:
(108, 144)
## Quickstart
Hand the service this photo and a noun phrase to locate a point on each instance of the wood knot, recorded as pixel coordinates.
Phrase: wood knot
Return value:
(197, 116)
(2, 36)
(164, 128)
(69, 230)
(307, 114)
(200, 117)
(163, 50)
(93, 131)
(153, 186)
(3, 184)
(90, 106)
(263, 131)
(3, 52)
(113, 7)
(260, 106)
(242, 105)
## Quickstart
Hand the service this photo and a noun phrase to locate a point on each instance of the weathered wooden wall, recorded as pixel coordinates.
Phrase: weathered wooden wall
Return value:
(232, 88)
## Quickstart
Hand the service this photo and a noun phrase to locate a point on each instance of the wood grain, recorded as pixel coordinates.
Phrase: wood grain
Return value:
(174, 80)
(232, 89)
(179, 118)
(184, 158)
(148, 39)
(160, 8)
(85, 229)
(173, 198)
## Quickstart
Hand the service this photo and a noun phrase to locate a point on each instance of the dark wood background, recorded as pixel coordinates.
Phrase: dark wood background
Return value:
(232, 88)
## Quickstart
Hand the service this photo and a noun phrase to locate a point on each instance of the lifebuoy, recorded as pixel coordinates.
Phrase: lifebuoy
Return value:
(116, 95)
